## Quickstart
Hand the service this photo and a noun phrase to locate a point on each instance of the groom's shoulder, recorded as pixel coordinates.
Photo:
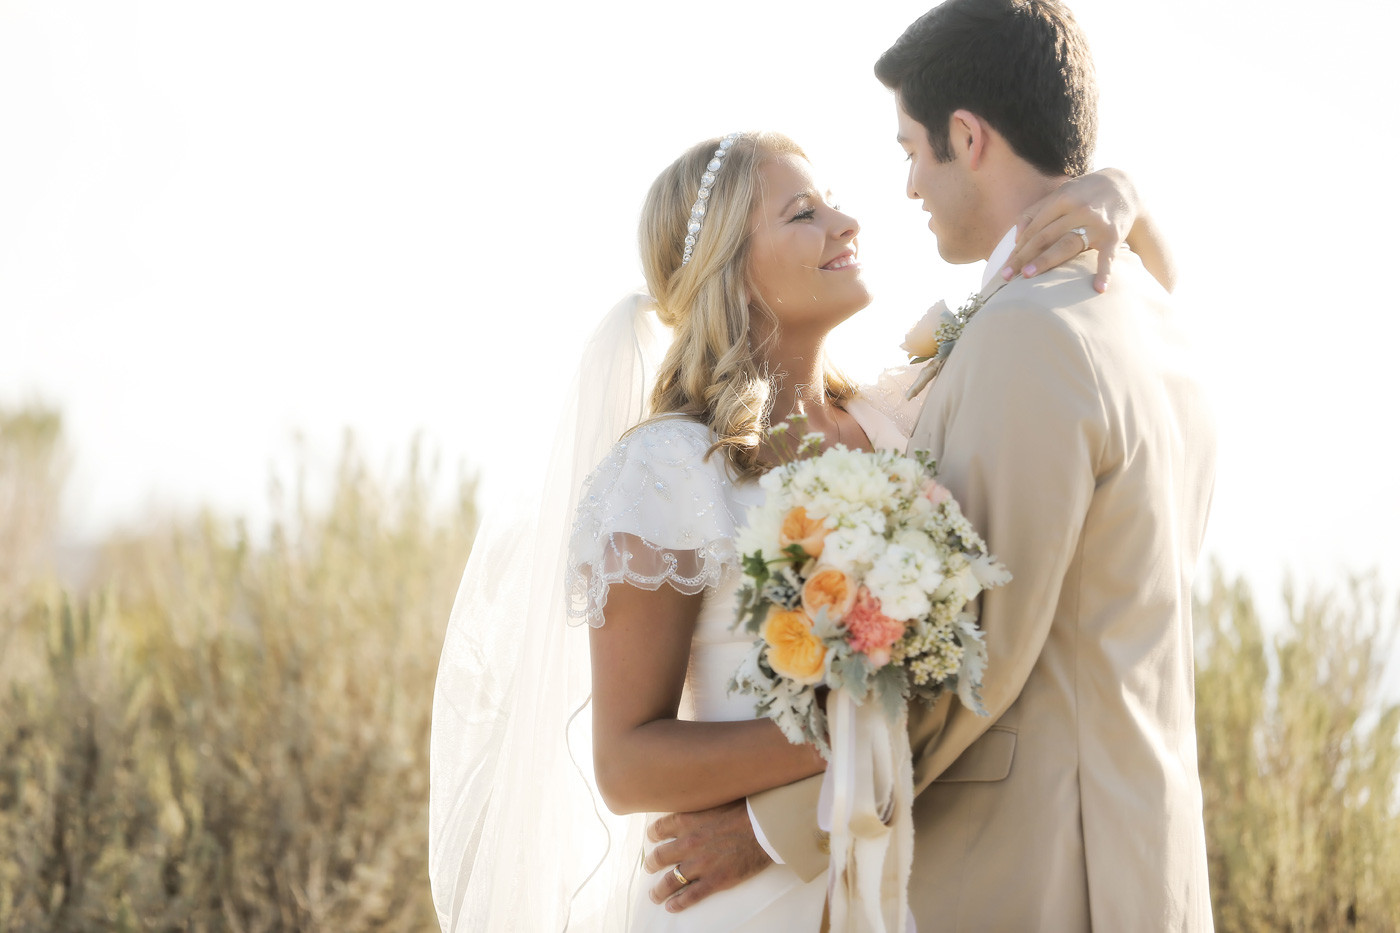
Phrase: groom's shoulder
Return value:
(1064, 298)
(1036, 314)
(1067, 286)
(1059, 326)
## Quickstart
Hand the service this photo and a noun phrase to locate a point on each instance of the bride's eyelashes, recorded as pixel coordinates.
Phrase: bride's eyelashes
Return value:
(810, 212)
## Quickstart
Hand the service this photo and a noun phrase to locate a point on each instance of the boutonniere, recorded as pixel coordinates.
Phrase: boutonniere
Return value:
(932, 339)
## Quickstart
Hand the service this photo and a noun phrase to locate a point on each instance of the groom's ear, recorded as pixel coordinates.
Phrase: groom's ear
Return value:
(968, 135)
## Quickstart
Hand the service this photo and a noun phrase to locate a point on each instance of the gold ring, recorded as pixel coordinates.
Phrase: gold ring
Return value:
(1083, 235)
(676, 873)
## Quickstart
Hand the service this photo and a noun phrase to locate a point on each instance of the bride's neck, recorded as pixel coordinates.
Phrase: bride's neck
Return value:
(799, 377)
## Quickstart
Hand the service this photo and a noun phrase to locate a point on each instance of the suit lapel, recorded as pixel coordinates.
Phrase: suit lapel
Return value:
(922, 429)
(991, 288)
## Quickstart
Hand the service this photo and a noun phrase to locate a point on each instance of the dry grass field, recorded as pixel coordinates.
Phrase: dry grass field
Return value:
(215, 732)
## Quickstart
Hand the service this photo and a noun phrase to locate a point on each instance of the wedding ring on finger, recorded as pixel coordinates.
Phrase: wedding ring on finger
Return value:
(676, 873)
(1083, 235)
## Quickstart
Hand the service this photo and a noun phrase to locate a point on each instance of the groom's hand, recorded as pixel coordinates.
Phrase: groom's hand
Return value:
(715, 849)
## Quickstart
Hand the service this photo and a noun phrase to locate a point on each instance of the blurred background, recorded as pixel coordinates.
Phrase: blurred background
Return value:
(287, 288)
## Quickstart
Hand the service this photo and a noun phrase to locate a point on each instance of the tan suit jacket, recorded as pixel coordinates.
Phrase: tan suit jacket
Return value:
(1072, 430)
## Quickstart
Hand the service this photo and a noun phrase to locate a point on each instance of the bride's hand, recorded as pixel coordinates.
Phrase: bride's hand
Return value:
(1105, 204)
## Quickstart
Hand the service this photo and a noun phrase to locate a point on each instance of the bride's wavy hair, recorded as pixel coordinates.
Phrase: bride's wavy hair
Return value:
(713, 370)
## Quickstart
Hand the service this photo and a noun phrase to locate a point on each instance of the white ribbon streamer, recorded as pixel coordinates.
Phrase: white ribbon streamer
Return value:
(867, 806)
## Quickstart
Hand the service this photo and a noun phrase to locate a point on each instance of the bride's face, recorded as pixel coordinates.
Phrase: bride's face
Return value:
(802, 252)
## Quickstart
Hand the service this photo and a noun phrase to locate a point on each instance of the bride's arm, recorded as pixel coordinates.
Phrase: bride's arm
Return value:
(1107, 206)
(646, 759)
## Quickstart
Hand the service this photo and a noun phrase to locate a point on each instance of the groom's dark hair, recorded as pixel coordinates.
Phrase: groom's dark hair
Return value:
(1021, 65)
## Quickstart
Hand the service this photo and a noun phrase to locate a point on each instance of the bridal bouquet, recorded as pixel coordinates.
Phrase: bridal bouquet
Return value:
(859, 572)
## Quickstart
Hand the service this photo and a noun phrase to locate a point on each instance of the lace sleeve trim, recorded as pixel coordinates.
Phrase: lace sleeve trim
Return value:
(654, 511)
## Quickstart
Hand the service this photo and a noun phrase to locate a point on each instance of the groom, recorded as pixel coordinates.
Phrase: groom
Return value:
(1069, 427)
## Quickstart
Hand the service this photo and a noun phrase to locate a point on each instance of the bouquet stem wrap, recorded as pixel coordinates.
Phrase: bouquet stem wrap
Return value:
(868, 796)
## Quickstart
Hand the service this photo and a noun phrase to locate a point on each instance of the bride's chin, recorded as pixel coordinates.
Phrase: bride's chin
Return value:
(861, 304)
(849, 313)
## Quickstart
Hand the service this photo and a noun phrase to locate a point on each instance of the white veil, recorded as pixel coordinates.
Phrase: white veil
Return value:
(518, 838)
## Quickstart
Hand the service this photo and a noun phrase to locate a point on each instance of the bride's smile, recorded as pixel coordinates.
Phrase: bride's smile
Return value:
(846, 260)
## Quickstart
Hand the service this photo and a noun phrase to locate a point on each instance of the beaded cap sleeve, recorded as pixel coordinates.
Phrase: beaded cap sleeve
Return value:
(654, 511)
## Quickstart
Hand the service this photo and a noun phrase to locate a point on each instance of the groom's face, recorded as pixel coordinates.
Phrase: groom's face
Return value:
(941, 187)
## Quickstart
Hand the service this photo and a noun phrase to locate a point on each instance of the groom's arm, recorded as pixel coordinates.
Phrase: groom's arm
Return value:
(1023, 434)
(787, 816)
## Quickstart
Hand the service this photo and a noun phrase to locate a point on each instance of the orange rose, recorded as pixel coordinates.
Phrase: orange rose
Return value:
(828, 589)
(793, 650)
(798, 529)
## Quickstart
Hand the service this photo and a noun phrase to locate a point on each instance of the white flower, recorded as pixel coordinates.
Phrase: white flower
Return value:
(965, 584)
(915, 540)
(760, 530)
(902, 579)
(773, 481)
(840, 481)
(906, 475)
(853, 549)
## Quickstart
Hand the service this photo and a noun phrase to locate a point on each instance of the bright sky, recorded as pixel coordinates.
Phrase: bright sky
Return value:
(225, 224)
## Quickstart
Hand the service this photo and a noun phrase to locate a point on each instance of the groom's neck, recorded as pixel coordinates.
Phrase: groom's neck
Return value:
(1014, 188)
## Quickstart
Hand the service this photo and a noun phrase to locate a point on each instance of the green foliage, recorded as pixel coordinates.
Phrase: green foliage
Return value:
(230, 734)
(848, 670)
(1299, 759)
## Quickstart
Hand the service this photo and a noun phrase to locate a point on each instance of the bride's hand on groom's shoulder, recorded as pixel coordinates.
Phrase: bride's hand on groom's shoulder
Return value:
(714, 849)
(1106, 207)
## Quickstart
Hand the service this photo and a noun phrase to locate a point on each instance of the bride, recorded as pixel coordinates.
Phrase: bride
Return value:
(549, 752)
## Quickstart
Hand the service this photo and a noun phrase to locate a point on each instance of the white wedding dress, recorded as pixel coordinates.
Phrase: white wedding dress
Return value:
(657, 512)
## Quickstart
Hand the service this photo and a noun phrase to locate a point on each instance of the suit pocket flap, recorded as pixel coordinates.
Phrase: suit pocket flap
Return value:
(987, 759)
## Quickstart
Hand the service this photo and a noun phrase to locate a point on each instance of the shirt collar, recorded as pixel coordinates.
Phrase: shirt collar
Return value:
(999, 257)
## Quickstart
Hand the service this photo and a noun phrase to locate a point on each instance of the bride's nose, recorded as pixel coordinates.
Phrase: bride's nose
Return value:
(847, 226)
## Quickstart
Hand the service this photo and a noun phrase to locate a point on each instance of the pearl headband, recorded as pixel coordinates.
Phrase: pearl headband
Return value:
(707, 181)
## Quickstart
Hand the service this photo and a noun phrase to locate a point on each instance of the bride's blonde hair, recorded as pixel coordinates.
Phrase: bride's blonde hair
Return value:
(712, 371)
